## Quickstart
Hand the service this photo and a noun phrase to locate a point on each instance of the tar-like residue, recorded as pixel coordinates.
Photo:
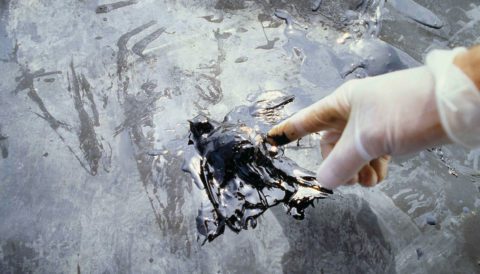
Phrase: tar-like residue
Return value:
(243, 175)
(279, 140)
(113, 6)
(3, 144)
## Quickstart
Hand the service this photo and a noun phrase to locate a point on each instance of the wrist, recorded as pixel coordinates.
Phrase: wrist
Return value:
(456, 94)
(469, 63)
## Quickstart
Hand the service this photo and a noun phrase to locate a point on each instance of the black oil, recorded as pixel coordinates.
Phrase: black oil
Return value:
(431, 219)
(113, 6)
(213, 19)
(141, 45)
(419, 253)
(417, 13)
(114, 128)
(242, 174)
(241, 59)
(3, 144)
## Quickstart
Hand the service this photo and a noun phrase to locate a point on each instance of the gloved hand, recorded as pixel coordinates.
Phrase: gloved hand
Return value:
(364, 121)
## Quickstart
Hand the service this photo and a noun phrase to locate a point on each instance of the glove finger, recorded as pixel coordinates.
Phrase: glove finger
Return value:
(342, 163)
(322, 115)
(380, 165)
(367, 176)
(325, 150)
(328, 139)
(329, 136)
(352, 181)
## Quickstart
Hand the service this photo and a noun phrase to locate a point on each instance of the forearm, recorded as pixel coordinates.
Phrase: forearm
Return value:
(469, 63)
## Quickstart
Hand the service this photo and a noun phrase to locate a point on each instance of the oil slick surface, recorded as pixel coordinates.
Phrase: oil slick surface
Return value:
(243, 175)
(94, 102)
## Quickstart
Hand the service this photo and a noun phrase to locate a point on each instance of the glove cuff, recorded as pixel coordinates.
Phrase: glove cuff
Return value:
(458, 99)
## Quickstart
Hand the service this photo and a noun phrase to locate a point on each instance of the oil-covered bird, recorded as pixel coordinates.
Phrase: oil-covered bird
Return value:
(242, 174)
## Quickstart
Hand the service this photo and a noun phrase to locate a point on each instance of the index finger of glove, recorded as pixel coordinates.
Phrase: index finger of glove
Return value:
(325, 114)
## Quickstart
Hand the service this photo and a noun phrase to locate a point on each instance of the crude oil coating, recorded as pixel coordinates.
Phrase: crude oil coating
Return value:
(417, 13)
(122, 63)
(113, 6)
(244, 176)
(141, 45)
(88, 140)
(3, 144)
(137, 213)
(279, 140)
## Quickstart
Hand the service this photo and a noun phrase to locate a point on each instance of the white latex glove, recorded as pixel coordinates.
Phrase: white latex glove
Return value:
(364, 121)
